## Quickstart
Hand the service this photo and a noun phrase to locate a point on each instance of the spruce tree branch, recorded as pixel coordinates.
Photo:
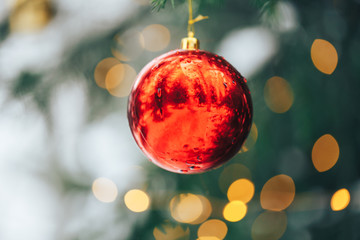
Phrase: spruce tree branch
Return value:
(266, 6)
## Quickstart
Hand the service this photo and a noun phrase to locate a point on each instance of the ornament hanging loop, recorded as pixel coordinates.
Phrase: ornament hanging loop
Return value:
(191, 43)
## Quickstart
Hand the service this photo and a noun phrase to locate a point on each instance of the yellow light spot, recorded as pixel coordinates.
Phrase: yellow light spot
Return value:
(325, 153)
(324, 56)
(241, 190)
(212, 228)
(115, 76)
(206, 212)
(128, 45)
(104, 190)
(30, 16)
(186, 208)
(102, 69)
(269, 226)
(208, 238)
(119, 80)
(156, 37)
(235, 211)
(278, 95)
(340, 200)
(251, 139)
(167, 231)
(278, 193)
(137, 200)
(232, 173)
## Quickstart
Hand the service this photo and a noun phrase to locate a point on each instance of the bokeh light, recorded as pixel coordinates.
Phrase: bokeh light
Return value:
(104, 190)
(168, 231)
(102, 69)
(206, 212)
(212, 228)
(324, 56)
(115, 76)
(190, 208)
(231, 173)
(209, 238)
(241, 190)
(234, 211)
(269, 226)
(325, 153)
(119, 80)
(278, 193)
(278, 95)
(156, 37)
(250, 140)
(340, 200)
(137, 200)
(29, 16)
(128, 45)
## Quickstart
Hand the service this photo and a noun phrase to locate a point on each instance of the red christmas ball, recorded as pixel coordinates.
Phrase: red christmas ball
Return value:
(189, 111)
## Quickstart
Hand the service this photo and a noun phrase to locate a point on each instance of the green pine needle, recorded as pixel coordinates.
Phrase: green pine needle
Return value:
(156, 5)
(266, 6)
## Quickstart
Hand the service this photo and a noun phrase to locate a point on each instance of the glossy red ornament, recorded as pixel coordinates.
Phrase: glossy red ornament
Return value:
(189, 111)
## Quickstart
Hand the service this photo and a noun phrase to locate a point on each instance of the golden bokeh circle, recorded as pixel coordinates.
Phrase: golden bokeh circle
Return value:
(120, 79)
(278, 95)
(325, 153)
(235, 211)
(277, 193)
(340, 199)
(206, 212)
(212, 228)
(324, 56)
(104, 190)
(241, 190)
(102, 69)
(186, 208)
(231, 173)
(137, 200)
(156, 37)
(30, 16)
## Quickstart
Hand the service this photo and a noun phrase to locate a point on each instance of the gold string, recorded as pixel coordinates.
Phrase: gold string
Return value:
(191, 29)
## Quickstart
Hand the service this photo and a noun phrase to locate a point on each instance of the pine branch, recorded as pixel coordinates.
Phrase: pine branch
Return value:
(156, 5)
(266, 6)
(159, 4)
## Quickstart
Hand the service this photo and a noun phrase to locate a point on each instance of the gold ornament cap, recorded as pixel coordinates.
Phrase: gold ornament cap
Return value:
(190, 43)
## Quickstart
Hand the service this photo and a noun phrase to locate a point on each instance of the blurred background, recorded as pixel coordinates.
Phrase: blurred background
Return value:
(70, 169)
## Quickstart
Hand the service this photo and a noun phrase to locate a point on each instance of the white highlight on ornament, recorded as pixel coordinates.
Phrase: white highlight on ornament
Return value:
(248, 50)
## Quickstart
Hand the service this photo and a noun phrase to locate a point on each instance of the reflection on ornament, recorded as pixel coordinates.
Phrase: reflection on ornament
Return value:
(189, 111)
